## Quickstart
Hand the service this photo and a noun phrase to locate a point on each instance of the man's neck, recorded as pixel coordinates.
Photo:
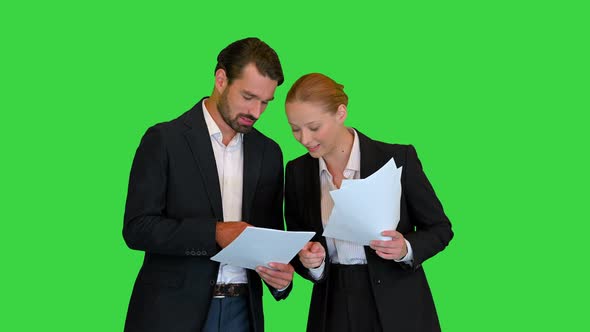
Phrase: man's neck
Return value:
(227, 132)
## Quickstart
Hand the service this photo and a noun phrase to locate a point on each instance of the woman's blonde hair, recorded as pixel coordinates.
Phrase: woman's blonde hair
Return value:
(318, 88)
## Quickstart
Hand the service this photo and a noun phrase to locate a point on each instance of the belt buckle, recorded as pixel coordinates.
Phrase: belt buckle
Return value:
(228, 290)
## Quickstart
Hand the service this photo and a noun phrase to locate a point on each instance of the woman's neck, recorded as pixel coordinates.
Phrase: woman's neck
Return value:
(337, 159)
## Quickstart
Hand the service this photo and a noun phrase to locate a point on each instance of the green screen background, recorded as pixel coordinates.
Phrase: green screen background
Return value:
(493, 94)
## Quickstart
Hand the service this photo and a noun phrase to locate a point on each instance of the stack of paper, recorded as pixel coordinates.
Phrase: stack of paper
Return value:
(364, 208)
(259, 246)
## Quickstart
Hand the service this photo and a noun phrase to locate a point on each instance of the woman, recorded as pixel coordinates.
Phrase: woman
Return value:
(381, 287)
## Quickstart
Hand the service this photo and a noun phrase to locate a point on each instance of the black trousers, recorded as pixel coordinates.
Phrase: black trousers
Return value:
(351, 305)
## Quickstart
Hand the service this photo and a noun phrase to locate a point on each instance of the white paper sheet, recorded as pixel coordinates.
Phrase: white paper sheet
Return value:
(257, 246)
(364, 208)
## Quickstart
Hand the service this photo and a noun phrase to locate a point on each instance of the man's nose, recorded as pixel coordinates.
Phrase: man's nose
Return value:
(256, 109)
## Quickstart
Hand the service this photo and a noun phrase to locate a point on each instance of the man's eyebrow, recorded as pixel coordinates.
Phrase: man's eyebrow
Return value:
(252, 94)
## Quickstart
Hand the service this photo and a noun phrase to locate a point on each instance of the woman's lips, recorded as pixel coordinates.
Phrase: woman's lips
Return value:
(313, 148)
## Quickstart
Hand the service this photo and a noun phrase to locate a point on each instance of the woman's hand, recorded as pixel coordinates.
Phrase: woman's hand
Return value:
(394, 249)
(312, 255)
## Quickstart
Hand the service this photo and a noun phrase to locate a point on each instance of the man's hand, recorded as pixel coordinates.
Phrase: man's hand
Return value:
(312, 255)
(279, 276)
(227, 231)
(394, 249)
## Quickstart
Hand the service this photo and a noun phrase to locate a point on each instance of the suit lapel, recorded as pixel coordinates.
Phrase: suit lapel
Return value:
(200, 144)
(372, 159)
(252, 164)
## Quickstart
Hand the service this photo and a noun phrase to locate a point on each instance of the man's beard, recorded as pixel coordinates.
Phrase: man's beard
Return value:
(225, 112)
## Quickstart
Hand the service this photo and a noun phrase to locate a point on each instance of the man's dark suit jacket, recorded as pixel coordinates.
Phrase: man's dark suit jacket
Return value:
(173, 204)
(401, 292)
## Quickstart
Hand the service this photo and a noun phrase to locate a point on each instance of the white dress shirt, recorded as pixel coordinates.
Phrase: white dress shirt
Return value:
(230, 169)
(341, 251)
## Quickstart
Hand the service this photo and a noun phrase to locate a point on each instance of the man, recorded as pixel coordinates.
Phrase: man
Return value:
(196, 183)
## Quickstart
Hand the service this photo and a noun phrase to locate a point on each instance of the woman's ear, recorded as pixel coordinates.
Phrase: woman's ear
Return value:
(341, 113)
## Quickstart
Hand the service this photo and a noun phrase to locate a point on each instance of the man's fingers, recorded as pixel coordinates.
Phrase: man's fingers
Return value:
(274, 282)
(281, 267)
(270, 273)
(276, 278)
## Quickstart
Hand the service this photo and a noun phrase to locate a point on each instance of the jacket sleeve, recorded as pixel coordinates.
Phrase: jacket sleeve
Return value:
(146, 225)
(432, 227)
(295, 222)
(276, 207)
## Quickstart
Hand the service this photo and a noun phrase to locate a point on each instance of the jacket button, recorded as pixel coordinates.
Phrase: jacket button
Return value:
(188, 253)
(193, 252)
(212, 282)
(198, 253)
(204, 252)
(378, 281)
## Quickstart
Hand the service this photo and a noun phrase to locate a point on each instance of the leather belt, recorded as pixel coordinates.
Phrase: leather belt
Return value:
(230, 290)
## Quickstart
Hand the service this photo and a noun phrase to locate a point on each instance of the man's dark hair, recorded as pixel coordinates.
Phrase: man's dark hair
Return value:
(240, 53)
